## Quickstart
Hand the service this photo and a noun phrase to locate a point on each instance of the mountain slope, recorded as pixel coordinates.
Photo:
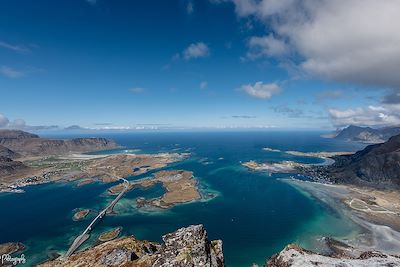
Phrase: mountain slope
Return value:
(27, 144)
(377, 164)
(367, 134)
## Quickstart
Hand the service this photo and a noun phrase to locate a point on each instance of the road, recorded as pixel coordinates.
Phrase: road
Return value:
(86, 234)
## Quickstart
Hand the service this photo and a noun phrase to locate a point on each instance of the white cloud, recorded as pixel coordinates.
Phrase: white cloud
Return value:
(137, 90)
(3, 121)
(196, 50)
(344, 40)
(203, 85)
(385, 115)
(10, 72)
(15, 48)
(20, 124)
(266, 46)
(261, 90)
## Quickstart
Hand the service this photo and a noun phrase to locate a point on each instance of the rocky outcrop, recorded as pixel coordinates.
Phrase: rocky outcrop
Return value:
(9, 167)
(294, 255)
(27, 144)
(7, 153)
(367, 134)
(189, 247)
(186, 247)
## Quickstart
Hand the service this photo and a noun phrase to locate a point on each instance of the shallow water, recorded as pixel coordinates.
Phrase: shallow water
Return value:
(254, 214)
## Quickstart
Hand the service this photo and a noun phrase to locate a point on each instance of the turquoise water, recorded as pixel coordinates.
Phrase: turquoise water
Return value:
(254, 214)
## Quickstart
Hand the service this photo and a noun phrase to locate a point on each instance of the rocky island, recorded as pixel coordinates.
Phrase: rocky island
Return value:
(180, 186)
(80, 214)
(110, 235)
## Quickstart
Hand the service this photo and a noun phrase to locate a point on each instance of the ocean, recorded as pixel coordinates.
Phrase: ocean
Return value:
(254, 214)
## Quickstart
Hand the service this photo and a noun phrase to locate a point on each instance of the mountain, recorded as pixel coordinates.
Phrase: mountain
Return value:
(15, 134)
(27, 144)
(375, 165)
(367, 134)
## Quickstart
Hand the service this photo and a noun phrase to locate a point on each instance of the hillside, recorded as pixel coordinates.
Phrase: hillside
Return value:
(27, 144)
(376, 165)
(367, 134)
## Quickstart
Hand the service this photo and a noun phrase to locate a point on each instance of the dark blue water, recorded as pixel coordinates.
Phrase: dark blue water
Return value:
(254, 214)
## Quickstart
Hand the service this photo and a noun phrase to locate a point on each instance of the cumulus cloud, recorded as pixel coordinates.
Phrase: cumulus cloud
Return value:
(344, 40)
(10, 72)
(366, 116)
(261, 90)
(137, 90)
(266, 46)
(196, 50)
(20, 124)
(203, 85)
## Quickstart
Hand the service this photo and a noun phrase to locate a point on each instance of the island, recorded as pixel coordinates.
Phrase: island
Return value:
(180, 186)
(110, 235)
(80, 214)
(274, 167)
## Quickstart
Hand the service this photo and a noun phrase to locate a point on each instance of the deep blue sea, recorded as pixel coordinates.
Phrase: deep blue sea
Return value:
(254, 214)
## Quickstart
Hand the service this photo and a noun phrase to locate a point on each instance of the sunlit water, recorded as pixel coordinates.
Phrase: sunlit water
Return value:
(254, 214)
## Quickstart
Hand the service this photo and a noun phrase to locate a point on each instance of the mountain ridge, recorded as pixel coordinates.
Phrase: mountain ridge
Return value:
(367, 134)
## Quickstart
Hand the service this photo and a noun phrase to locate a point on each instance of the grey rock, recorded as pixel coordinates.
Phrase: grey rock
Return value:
(188, 247)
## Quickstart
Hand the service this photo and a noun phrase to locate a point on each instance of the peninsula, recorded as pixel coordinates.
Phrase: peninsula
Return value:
(32, 160)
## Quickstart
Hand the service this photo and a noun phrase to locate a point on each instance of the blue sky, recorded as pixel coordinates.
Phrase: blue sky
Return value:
(189, 64)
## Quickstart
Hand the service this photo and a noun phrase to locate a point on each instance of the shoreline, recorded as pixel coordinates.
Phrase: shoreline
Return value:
(377, 236)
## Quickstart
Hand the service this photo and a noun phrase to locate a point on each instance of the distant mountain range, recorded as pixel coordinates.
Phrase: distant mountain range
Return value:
(16, 144)
(367, 134)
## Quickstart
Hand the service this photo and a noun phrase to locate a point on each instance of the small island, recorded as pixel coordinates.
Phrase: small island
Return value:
(110, 235)
(81, 214)
(180, 185)
(277, 167)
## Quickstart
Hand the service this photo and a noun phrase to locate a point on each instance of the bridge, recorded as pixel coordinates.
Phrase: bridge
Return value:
(79, 240)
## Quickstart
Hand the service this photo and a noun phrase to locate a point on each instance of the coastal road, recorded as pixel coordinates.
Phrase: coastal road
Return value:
(86, 234)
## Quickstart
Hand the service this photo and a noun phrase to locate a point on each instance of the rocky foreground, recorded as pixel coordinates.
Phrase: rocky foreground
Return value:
(185, 247)
(190, 247)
